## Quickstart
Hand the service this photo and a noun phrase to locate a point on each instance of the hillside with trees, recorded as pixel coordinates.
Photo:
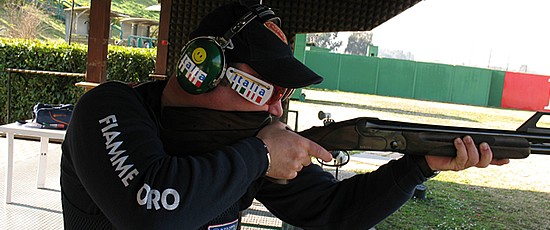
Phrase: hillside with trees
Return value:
(44, 19)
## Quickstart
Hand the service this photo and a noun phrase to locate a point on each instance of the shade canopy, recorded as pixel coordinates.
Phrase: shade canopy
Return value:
(179, 17)
(298, 16)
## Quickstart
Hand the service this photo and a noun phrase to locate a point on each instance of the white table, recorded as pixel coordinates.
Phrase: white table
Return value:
(45, 134)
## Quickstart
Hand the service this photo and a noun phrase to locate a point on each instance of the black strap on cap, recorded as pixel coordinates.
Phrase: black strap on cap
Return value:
(243, 21)
(256, 10)
(264, 13)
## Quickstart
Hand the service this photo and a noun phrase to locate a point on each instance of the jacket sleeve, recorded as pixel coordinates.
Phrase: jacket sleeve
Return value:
(114, 148)
(319, 201)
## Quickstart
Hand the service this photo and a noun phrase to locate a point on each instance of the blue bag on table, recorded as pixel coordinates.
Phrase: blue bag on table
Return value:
(56, 116)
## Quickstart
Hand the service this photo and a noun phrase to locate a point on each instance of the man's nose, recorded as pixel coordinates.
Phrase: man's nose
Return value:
(276, 109)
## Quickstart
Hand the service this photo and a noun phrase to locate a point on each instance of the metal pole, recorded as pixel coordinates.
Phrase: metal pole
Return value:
(8, 118)
(71, 23)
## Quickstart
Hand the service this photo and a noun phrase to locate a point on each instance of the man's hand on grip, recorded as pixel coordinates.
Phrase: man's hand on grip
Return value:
(289, 152)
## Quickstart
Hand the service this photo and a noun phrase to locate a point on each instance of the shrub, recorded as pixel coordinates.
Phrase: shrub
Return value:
(124, 64)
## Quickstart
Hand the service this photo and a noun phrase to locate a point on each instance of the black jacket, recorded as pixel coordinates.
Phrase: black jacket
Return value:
(116, 173)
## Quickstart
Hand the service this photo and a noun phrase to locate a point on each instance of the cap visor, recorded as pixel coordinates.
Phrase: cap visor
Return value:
(286, 72)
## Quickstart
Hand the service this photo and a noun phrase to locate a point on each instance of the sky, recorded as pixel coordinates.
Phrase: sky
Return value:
(498, 33)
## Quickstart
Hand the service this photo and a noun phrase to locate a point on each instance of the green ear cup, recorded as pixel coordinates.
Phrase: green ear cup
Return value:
(201, 65)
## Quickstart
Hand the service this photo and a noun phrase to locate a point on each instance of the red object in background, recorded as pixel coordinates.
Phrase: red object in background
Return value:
(526, 91)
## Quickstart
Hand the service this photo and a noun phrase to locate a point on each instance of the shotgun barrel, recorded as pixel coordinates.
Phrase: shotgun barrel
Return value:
(373, 134)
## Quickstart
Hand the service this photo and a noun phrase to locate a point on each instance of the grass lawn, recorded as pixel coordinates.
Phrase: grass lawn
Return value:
(452, 205)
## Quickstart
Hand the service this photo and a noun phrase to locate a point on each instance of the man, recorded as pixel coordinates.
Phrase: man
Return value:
(194, 151)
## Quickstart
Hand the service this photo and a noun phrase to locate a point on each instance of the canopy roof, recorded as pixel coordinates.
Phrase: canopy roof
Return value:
(298, 16)
(179, 17)
(144, 21)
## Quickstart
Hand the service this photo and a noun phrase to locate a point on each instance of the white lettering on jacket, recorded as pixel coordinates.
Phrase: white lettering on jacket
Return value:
(169, 198)
(127, 172)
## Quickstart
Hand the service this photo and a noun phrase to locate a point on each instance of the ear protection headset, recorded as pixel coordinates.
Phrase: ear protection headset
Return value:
(202, 63)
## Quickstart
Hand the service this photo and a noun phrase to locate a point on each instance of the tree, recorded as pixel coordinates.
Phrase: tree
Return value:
(24, 20)
(325, 40)
(358, 43)
(396, 54)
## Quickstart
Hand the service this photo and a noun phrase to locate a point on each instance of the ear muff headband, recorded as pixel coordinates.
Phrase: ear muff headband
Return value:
(265, 13)
(237, 27)
(202, 62)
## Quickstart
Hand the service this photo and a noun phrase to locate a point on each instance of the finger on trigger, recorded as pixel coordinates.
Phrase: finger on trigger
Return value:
(320, 152)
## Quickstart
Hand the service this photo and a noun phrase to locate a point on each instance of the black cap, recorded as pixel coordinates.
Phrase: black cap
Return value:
(263, 46)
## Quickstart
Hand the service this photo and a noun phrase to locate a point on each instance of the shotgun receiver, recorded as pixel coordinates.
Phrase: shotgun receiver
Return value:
(373, 134)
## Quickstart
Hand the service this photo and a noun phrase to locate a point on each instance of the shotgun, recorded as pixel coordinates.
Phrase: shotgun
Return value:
(373, 134)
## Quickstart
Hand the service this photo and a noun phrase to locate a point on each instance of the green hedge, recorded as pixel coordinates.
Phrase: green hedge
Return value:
(124, 64)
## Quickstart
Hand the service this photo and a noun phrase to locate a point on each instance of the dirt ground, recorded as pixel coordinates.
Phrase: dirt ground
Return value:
(531, 173)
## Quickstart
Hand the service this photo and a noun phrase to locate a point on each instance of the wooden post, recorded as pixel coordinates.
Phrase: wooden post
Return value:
(98, 41)
(162, 42)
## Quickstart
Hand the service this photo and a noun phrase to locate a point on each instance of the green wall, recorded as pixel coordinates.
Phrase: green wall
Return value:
(497, 87)
(407, 79)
